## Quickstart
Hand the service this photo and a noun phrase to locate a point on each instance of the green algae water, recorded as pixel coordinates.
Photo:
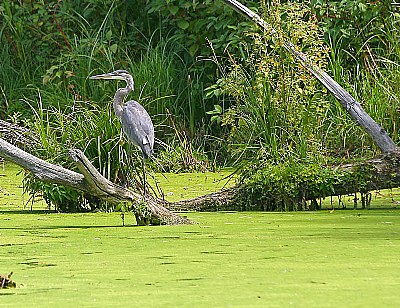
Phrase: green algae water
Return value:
(347, 259)
(341, 258)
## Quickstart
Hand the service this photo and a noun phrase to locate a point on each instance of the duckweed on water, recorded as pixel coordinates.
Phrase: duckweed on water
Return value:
(248, 259)
(346, 258)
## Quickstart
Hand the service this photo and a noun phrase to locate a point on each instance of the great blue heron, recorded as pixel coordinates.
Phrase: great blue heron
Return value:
(136, 122)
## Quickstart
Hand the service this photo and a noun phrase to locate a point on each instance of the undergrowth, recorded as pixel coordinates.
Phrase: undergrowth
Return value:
(292, 186)
(219, 91)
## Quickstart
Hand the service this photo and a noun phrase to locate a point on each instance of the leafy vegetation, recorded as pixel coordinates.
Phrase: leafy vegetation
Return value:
(219, 91)
(273, 108)
(292, 186)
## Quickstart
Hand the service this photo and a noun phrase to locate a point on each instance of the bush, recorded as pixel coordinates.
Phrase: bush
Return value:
(286, 186)
(272, 107)
(294, 186)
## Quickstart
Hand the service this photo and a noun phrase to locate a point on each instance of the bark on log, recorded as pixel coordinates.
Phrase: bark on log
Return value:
(373, 129)
(91, 182)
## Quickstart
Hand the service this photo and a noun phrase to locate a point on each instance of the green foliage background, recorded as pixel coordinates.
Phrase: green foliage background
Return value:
(219, 91)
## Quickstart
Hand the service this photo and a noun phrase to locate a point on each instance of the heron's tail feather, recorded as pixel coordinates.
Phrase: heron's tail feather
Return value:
(147, 151)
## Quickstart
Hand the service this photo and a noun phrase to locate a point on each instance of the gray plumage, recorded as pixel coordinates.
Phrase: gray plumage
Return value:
(138, 127)
(136, 122)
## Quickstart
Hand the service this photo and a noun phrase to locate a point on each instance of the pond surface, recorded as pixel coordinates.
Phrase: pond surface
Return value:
(341, 258)
(11, 190)
(317, 259)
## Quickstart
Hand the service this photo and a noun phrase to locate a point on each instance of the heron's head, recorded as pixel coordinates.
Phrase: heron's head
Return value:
(117, 75)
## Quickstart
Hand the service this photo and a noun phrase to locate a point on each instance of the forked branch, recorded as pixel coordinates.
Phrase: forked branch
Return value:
(91, 182)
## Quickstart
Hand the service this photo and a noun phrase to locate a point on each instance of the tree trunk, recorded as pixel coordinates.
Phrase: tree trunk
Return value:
(91, 182)
(373, 129)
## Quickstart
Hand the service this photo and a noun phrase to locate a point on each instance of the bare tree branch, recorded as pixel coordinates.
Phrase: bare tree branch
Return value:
(91, 182)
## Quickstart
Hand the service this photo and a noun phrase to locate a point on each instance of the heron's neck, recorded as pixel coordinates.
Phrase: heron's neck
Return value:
(118, 102)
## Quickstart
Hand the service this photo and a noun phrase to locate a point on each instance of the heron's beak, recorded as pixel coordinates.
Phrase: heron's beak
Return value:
(106, 76)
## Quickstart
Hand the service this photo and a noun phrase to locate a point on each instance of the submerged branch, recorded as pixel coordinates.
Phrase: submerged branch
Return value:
(382, 172)
(379, 173)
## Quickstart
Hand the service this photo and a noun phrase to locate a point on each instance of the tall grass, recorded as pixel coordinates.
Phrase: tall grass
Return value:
(95, 131)
(375, 84)
(277, 112)
(71, 112)
(270, 108)
(275, 109)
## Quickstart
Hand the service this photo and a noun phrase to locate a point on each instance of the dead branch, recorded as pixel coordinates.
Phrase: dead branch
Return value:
(91, 182)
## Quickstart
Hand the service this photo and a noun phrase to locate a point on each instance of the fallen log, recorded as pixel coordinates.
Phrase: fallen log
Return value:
(379, 173)
(91, 182)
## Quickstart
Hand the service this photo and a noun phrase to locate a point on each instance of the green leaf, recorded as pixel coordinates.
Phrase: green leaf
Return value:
(216, 118)
(108, 35)
(193, 49)
(183, 24)
(114, 48)
(173, 9)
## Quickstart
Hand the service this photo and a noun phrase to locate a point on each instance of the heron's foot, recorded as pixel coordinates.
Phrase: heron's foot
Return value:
(123, 218)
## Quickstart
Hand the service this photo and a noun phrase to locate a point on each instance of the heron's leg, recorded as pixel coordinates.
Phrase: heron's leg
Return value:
(127, 180)
(122, 161)
(144, 176)
(124, 181)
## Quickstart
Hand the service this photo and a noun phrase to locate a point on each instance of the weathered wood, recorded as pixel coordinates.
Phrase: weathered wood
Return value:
(18, 135)
(91, 182)
(41, 169)
(349, 103)
(223, 200)
(382, 172)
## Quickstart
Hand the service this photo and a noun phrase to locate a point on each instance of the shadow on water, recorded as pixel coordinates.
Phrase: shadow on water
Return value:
(19, 212)
(67, 227)
(37, 264)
